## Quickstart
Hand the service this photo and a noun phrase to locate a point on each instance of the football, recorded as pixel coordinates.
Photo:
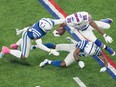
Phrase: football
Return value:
(61, 30)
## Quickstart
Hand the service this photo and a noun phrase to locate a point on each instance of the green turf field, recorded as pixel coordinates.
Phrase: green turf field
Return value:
(27, 73)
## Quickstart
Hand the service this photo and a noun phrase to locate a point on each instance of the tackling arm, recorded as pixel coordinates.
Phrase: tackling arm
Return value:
(75, 55)
(58, 21)
(43, 47)
(94, 25)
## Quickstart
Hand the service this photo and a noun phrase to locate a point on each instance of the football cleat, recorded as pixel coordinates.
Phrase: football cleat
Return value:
(107, 20)
(113, 53)
(14, 46)
(103, 69)
(45, 62)
(5, 50)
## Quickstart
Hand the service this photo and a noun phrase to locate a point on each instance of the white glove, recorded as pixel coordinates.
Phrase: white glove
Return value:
(71, 40)
(54, 52)
(21, 30)
(18, 31)
(81, 64)
(108, 39)
(56, 33)
(103, 69)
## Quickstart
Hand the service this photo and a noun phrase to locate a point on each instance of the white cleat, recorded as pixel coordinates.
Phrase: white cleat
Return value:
(43, 63)
(113, 53)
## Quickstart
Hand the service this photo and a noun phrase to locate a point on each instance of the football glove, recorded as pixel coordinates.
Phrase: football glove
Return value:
(54, 52)
(103, 69)
(108, 39)
(81, 64)
(55, 33)
(18, 31)
(71, 40)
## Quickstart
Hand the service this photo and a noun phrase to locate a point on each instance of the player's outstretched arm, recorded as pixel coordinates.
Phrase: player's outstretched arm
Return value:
(107, 38)
(43, 47)
(75, 55)
(21, 30)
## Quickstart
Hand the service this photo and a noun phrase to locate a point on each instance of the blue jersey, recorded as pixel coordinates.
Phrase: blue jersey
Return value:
(35, 32)
(82, 44)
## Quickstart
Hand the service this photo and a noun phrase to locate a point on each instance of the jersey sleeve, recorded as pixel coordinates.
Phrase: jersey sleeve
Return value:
(87, 17)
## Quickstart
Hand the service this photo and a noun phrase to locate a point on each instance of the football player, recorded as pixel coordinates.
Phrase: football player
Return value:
(34, 32)
(82, 24)
(77, 49)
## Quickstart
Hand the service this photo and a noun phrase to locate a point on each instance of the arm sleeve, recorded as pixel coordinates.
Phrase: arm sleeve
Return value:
(41, 46)
(58, 21)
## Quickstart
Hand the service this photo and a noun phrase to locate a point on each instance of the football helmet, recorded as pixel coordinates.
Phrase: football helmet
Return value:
(46, 24)
(90, 49)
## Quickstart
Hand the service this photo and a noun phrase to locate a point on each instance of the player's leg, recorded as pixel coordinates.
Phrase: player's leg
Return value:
(88, 34)
(25, 45)
(107, 20)
(25, 48)
(57, 63)
(58, 47)
(102, 25)
(48, 45)
(16, 45)
(67, 61)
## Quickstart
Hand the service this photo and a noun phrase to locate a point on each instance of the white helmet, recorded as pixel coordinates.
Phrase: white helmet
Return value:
(90, 49)
(46, 24)
(78, 18)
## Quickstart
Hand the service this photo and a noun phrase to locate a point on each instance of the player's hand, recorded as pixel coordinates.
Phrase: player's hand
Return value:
(81, 64)
(103, 69)
(54, 52)
(18, 31)
(55, 33)
(69, 39)
(108, 39)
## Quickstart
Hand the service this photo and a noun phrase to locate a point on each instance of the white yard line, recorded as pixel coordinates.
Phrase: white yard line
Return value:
(80, 83)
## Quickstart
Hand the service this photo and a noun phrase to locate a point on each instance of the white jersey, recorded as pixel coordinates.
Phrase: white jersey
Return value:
(79, 20)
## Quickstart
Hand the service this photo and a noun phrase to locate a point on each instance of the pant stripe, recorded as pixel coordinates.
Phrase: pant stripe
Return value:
(24, 46)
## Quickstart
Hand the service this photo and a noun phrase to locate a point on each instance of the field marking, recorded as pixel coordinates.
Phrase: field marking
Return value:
(80, 83)
(37, 86)
(56, 15)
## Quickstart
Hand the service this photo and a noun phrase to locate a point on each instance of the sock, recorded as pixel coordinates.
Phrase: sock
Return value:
(109, 50)
(56, 63)
(50, 45)
(16, 53)
(19, 42)
(99, 43)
